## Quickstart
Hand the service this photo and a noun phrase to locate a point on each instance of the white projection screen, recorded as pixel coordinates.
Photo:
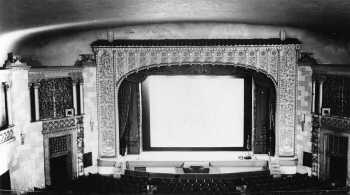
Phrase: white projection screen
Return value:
(194, 111)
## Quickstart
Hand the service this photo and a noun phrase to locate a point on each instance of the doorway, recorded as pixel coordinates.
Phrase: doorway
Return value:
(60, 160)
(336, 159)
(338, 170)
(59, 170)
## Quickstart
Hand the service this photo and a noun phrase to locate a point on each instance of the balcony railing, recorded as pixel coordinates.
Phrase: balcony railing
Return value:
(7, 135)
(61, 124)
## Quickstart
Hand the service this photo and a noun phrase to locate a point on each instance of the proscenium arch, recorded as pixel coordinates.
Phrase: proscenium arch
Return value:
(229, 66)
(277, 61)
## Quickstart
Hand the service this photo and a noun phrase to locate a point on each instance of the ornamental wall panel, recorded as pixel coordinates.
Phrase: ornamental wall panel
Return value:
(106, 113)
(286, 99)
(114, 63)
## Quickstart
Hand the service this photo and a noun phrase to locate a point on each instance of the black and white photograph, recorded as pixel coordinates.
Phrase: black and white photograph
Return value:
(148, 97)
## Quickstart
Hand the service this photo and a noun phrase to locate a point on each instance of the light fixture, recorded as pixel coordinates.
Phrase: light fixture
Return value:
(22, 138)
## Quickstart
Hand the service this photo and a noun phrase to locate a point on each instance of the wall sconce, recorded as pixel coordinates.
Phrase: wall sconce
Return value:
(303, 123)
(91, 125)
(282, 34)
(22, 138)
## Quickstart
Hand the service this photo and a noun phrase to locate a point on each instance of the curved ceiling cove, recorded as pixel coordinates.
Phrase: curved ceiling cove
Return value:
(10, 40)
(22, 19)
(330, 16)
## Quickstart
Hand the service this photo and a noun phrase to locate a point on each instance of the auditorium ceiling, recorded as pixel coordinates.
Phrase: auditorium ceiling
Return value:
(331, 17)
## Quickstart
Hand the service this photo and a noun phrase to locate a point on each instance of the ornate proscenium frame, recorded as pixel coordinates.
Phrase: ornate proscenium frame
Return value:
(275, 58)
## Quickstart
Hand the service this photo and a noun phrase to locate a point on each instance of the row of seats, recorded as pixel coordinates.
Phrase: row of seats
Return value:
(287, 183)
(142, 182)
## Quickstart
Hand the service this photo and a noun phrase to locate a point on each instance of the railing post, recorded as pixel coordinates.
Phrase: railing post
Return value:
(74, 84)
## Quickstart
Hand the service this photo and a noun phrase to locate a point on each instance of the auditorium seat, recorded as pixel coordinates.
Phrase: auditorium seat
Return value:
(159, 183)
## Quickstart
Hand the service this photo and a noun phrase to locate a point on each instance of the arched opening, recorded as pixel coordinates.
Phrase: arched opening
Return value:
(243, 108)
(264, 108)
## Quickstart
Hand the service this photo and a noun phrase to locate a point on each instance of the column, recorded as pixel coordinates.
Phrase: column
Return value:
(313, 96)
(75, 97)
(81, 92)
(8, 103)
(36, 101)
(320, 96)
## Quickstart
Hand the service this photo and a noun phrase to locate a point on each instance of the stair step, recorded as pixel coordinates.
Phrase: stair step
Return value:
(275, 168)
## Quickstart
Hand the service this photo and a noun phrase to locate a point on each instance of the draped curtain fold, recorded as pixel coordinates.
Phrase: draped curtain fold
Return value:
(129, 118)
(264, 115)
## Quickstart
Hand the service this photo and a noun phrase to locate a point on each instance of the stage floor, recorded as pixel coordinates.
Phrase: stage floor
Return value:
(215, 167)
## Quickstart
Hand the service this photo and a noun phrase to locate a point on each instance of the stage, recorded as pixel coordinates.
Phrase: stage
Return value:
(214, 167)
(217, 166)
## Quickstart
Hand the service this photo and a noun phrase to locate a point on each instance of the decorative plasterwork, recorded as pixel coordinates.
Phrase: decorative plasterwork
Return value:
(335, 123)
(315, 149)
(86, 60)
(38, 74)
(62, 124)
(106, 102)
(286, 100)
(278, 62)
(6, 135)
(68, 126)
(80, 145)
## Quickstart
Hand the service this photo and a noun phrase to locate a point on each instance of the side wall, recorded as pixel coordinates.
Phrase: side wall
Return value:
(27, 159)
(5, 146)
(90, 117)
(304, 117)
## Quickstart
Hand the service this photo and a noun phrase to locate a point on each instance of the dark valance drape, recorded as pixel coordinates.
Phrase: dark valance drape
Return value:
(128, 118)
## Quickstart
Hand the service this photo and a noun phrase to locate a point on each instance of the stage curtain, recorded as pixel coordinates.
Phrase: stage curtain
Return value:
(264, 114)
(271, 127)
(128, 118)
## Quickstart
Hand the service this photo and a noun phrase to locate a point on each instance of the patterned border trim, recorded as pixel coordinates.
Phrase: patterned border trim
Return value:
(192, 42)
(278, 62)
(63, 124)
(6, 135)
(37, 74)
(335, 122)
(315, 140)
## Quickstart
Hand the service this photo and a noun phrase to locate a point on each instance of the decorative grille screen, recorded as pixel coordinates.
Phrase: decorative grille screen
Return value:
(337, 145)
(58, 144)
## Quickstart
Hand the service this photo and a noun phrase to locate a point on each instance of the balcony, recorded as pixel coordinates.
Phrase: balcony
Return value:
(7, 135)
(61, 124)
